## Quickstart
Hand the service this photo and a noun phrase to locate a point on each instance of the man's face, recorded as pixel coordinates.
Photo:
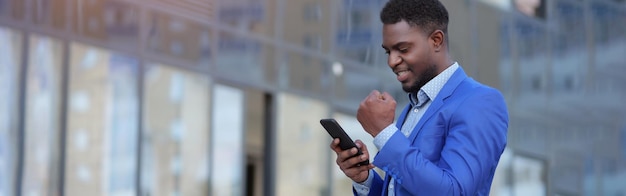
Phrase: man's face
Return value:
(410, 55)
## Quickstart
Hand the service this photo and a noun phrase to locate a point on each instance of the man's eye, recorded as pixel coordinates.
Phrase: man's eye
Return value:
(387, 52)
(404, 50)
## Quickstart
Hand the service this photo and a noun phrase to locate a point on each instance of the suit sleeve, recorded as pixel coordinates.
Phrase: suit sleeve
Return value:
(476, 137)
(376, 186)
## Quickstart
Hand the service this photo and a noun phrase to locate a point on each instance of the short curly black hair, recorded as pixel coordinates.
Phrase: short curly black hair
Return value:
(429, 15)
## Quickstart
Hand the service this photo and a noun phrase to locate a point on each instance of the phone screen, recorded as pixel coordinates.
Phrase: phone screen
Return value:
(345, 142)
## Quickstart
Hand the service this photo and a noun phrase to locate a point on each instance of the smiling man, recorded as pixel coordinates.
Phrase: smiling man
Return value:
(449, 138)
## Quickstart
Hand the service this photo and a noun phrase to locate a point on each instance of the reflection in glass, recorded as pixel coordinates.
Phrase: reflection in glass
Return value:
(357, 37)
(569, 21)
(3, 7)
(305, 73)
(9, 69)
(228, 141)
(532, 47)
(506, 58)
(17, 9)
(569, 48)
(520, 174)
(102, 123)
(250, 16)
(242, 58)
(528, 175)
(42, 12)
(342, 185)
(501, 183)
(301, 27)
(255, 126)
(112, 21)
(302, 146)
(179, 38)
(175, 139)
(532, 8)
(353, 86)
(604, 16)
(41, 120)
(241, 10)
(610, 45)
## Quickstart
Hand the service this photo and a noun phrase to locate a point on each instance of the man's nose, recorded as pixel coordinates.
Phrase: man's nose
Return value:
(393, 60)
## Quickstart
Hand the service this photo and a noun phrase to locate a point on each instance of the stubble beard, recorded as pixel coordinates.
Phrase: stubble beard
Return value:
(424, 78)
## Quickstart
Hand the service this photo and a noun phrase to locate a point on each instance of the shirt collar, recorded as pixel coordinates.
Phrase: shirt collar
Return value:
(432, 87)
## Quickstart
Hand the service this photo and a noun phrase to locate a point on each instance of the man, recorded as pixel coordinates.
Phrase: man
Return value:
(449, 139)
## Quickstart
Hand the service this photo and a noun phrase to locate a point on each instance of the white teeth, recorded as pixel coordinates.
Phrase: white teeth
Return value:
(401, 72)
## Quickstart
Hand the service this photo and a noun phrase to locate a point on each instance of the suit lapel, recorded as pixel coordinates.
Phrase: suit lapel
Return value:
(403, 116)
(446, 91)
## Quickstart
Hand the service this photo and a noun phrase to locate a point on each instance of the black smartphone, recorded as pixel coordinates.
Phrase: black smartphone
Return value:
(335, 131)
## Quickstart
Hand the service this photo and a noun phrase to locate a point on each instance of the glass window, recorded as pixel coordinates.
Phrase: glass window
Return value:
(295, 28)
(244, 58)
(102, 117)
(520, 173)
(311, 41)
(228, 141)
(357, 37)
(9, 68)
(4, 7)
(203, 9)
(58, 17)
(179, 38)
(353, 86)
(44, 12)
(18, 9)
(42, 114)
(535, 8)
(569, 48)
(302, 146)
(175, 137)
(364, 55)
(342, 185)
(623, 138)
(566, 175)
(111, 21)
(305, 73)
(359, 17)
(533, 64)
(312, 12)
(529, 175)
(255, 125)
(531, 37)
(569, 20)
(501, 180)
(505, 59)
(254, 16)
(610, 45)
(603, 15)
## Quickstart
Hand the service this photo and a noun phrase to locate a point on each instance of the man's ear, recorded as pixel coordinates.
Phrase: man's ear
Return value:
(437, 39)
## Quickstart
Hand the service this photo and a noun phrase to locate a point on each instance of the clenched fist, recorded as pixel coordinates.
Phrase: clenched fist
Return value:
(376, 112)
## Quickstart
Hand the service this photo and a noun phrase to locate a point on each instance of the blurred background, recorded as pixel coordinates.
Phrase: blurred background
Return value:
(224, 97)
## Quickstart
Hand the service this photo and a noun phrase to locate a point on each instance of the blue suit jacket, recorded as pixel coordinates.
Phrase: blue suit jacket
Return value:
(455, 147)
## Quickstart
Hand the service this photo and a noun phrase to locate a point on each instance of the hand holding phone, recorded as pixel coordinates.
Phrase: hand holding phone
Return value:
(335, 131)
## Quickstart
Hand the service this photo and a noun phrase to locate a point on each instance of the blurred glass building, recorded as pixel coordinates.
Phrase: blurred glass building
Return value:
(224, 97)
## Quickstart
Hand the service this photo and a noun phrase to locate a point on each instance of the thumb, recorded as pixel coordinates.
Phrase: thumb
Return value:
(386, 96)
(358, 143)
